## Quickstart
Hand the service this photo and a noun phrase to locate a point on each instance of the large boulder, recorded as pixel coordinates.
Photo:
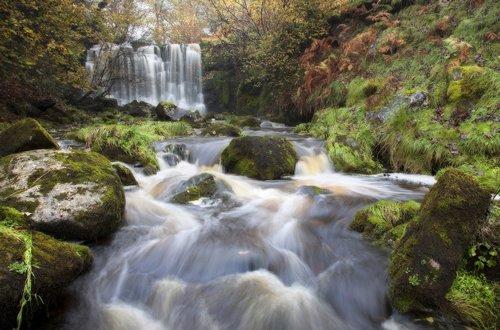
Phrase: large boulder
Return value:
(424, 264)
(260, 157)
(50, 264)
(26, 134)
(70, 195)
(199, 186)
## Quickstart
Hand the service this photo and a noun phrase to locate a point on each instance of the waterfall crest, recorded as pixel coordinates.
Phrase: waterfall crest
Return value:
(151, 73)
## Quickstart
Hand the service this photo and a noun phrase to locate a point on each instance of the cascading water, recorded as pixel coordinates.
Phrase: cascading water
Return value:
(259, 255)
(151, 74)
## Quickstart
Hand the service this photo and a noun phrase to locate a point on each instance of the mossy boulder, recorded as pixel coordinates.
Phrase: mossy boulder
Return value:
(423, 266)
(139, 109)
(244, 121)
(70, 195)
(164, 109)
(221, 129)
(54, 265)
(385, 222)
(26, 134)
(199, 186)
(125, 174)
(260, 157)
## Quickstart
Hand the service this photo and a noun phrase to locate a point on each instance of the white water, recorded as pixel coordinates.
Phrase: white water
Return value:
(150, 74)
(259, 255)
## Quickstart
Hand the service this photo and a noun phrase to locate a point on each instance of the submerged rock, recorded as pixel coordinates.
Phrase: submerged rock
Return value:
(260, 157)
(24, 135)
(424, 264)
(70, 195)
(199, 186)
(54, 265)
(125, 174)
(385, 221)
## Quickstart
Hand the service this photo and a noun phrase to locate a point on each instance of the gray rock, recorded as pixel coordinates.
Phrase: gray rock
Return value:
(73, 195)
(199, 186)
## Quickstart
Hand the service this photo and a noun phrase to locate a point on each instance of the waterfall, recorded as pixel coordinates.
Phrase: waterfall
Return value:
(151, 73)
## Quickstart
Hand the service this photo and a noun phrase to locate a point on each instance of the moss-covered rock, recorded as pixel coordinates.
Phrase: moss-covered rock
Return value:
(125, 174)
(423, 266)
(468, 82)
(32, 263)
(70, 195)
(11, 217)
(258, 157)
(199, 186)
(163, 109)
(221, 129)
(244, 121)
(26, 134)
(385, 222)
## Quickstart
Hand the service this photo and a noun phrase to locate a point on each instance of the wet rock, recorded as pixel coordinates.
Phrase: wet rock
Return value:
(199, 186)
(260, 157)
(385, 222)
(244, 121)
(423, 266)
(175, 153)
(54, 264)
(24, 135)
(138, 109)
(73, 195)
(170, 112)
(221, 129)
(125, 174)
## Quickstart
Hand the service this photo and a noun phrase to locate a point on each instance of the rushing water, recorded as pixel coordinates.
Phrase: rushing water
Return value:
(150, 73)
(260, 255)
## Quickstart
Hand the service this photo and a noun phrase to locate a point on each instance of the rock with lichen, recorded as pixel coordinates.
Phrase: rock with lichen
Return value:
(73, 195)
(424, 264)
(24, 135)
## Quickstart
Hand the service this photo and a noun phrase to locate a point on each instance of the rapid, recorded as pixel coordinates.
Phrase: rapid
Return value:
(259, 255)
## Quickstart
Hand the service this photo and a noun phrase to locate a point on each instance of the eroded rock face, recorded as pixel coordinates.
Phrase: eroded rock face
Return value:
(55, 265)
(424, 264)
(24, 135)
(260, 157)
(71, 195)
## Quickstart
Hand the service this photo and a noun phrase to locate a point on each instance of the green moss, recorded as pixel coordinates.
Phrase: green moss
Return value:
(468, 82)
(384, 221)
(262, 158)
(475, 300)
(167, 105)
(359, 89)
(131, 143)
(11, 217)
(26, 134)
(243, 121)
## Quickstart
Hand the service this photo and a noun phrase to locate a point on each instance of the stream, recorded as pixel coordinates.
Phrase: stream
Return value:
(260, 255)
